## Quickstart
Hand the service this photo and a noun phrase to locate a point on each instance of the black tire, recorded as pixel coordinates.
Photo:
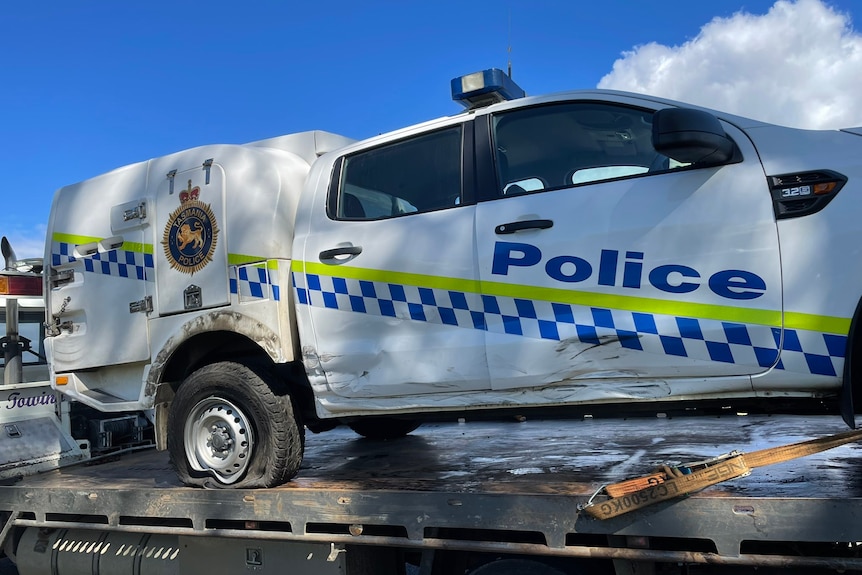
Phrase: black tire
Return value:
(516, 567)
(383, 427)
(232, 425)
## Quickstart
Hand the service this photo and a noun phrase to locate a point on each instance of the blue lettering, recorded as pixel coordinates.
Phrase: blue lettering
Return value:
(554, 268)
(608, 267)
(670, 278)
(632, 270)
(737, 284)
(530, 256)
(659, 278)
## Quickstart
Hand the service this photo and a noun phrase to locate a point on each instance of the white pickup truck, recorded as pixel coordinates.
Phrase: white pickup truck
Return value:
(590, 247)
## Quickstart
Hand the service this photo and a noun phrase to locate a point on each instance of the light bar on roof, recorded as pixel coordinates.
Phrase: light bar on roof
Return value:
(485, 88)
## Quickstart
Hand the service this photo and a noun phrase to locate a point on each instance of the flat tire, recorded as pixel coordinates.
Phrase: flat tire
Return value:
(233, 425)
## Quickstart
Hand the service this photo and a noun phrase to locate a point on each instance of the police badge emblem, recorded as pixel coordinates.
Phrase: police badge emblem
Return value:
(191, 233)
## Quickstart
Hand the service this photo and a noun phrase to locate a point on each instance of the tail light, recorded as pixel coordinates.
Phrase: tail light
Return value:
(20, 284)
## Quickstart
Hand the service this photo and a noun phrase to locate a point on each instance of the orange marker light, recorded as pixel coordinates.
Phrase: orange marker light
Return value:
(61, 380)
(824, 188)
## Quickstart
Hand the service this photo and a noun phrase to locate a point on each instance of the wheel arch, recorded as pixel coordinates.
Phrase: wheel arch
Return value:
(219, 336)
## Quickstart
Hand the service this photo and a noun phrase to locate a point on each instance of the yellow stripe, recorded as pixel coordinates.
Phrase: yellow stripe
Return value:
(138, 247)
(232, 259)
(821, 323)
(771, 318)
(420, 280)
(76, 240)
(79, 240)
(242, 259)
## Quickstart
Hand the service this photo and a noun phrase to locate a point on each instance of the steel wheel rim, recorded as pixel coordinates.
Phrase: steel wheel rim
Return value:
(218, 439)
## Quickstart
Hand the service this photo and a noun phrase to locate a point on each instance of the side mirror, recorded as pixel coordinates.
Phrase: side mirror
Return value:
(691, 136)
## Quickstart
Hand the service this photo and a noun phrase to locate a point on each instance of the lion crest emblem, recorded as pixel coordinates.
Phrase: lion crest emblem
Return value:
(191, 233)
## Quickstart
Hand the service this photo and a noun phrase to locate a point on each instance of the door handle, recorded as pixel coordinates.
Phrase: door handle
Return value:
(342, 251)
(513, 227)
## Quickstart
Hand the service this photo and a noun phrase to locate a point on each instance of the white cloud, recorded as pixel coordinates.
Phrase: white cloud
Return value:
(798, 65)
(27, 243)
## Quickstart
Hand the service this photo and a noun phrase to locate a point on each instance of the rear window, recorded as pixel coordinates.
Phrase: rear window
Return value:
(415, 175)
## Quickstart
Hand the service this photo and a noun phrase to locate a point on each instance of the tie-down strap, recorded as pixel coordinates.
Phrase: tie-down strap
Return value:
(670, 482)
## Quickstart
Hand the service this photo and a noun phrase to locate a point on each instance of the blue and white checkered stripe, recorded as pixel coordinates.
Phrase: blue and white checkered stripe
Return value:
(255, 281)
(119, 262)
(730, 342)
(249, 282)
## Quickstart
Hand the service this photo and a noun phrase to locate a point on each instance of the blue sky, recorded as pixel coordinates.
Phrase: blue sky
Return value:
(90, 85)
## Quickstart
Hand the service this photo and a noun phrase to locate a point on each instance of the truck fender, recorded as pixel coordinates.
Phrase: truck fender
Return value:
(216, 321)
(851, 387)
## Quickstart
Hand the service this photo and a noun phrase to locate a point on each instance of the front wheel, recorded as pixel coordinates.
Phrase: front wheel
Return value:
(233, 425)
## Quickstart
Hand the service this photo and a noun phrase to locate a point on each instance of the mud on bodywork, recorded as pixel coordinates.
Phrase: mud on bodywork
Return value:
(220, 321)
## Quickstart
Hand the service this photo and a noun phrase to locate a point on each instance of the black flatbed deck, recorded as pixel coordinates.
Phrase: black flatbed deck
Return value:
(496, 485)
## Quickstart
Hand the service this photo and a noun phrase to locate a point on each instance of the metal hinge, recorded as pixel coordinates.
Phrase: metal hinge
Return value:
(145, 305)
(137, 213)
(171, 175)
(206, 167)
(59, 278)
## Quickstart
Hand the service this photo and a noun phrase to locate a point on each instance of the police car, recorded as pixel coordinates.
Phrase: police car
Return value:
(591, 247)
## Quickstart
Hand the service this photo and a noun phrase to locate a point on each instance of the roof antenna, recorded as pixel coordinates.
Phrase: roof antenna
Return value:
(509, 48)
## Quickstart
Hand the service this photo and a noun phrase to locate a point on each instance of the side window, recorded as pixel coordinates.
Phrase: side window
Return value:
(557, 146)
(419, 174)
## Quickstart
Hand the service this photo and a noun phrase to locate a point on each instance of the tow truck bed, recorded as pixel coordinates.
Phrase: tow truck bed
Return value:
(498, 486)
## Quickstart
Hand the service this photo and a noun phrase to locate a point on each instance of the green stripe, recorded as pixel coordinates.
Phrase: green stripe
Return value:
(242, 259)
(420, 280)
(637, 304)
(138, 247)
(232, 259)
(76, 240)
(821, 323)
(80, 240)
(771, 318)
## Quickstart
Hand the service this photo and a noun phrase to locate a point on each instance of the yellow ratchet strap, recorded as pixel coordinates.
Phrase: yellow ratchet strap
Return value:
(670, 482)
